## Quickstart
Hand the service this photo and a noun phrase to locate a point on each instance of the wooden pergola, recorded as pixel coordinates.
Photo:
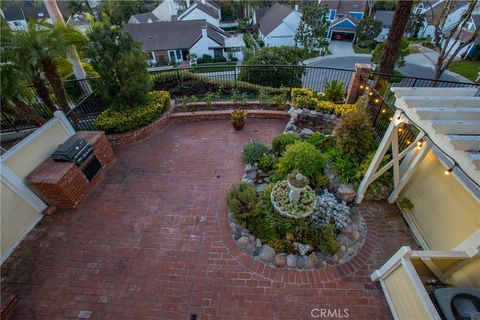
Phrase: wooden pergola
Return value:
(448, 120)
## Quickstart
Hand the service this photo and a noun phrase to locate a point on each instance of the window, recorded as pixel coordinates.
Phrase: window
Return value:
(218, 53)
(179, 54)
(171, 55)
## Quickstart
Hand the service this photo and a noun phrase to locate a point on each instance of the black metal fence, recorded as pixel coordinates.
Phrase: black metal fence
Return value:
(221, 82)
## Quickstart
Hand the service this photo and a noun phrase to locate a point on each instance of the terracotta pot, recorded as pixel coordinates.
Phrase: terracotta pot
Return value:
(238, 125)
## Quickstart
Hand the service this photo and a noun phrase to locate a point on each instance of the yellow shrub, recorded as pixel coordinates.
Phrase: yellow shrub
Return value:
(307, 98)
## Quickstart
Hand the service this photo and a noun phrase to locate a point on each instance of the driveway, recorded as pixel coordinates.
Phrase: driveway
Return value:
(409, 70)
(341, 48)
(153, 242)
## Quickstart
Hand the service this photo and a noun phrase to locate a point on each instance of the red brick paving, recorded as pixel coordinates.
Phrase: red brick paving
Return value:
(153, 242)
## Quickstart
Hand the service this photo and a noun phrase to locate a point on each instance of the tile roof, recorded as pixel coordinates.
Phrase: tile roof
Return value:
(273, 17)
(345, 6)
(165, 35)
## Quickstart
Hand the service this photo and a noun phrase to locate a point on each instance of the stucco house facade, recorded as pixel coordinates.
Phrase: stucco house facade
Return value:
(277, 25)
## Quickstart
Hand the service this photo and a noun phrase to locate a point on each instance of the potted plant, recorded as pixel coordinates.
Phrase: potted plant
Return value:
(238, 119)
(335, 91)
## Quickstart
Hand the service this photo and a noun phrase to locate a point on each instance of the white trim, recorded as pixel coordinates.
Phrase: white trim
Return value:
(473, 241)
(389, 300)
(413, 227)
(20, 238)
(19, 186)
(391, 263)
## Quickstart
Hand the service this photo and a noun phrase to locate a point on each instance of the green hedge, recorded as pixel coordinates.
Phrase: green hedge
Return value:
(113, 121)
(184, 83)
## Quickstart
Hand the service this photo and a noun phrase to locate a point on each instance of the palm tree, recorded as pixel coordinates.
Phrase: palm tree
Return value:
(14, 92)
(42, 45)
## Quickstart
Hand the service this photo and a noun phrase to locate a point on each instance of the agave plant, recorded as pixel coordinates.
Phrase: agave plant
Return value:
(335, 90)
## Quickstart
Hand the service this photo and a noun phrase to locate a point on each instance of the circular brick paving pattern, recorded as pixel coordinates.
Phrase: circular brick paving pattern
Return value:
(153, 242)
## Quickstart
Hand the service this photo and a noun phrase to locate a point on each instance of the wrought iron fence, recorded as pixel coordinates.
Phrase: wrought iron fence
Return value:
(85, 112)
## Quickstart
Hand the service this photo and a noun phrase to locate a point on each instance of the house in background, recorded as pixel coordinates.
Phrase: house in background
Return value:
(386, 18)
(167, 10)
(203, 10)
(344, 17)
(17, 13)
(277, 25)
(147, 17)
(433, 9)
(172, 41)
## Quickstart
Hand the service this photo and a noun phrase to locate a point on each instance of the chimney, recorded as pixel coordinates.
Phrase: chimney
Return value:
(203, 1)
(204, 32)
(188, 3)
(149, 20)
(296, 7)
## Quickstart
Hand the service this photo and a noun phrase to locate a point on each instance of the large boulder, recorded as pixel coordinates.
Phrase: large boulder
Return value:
(346, 193)
(267, 253)
(291, 261)
(280, 260)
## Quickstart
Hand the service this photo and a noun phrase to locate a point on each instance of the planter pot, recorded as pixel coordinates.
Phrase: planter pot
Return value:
(238, 125)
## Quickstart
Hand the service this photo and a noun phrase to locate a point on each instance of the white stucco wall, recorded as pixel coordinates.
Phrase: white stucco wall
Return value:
(197, 14)
(202, 46)
(284, 34)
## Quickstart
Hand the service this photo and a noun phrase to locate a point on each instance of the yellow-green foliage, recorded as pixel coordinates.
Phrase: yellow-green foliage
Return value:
(307, 98)
(113, 121)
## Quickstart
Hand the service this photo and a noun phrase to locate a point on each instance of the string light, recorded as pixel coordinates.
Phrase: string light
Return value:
(448, 171)
(377, 100)
(419, 144)
(391, 118)
(361, 87)
(384, 110)
(370, 94)
(400, 129)
(408, 141)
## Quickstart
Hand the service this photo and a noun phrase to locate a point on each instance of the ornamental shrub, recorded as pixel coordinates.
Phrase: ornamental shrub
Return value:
(354, 137)
(304, 157)
(307, 98)
(321, 141)
(243, 202)
(252, 152)
(335, 90)
(281, 141)
(266, 163)
(114, 121)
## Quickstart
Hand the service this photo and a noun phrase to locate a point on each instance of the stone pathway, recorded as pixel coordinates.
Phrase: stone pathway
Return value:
(153, 242)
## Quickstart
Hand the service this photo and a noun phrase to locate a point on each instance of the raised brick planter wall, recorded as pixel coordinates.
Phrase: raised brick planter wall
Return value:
(171, 117)
(63, 184)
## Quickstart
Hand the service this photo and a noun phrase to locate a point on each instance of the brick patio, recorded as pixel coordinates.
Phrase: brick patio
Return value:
(153, 242)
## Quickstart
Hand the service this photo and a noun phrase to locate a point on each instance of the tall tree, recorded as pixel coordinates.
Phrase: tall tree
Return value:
(42, 45)
(120, 63)
(414, 24)
(402, 52)
(312, 31)
(368, 29)
(394, 39)
(449, 40)
(118, 12)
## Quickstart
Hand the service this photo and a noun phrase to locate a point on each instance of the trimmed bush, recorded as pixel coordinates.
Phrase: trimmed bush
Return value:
(354, 137)
(307, 98)
(267, 162)
(115, 121)
(304, 157)
(186, 83)
(243, 202)
(253, 152)
(281, 141)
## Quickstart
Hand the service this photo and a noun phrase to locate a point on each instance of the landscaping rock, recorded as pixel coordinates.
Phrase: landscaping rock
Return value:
(258, 243)
(236, 233)
(291, 261)
(300, 262)
(249, 168)
(308, 263)
(250, 249)
(280, 260)
(267, 253)
(303, 248)
(305, 133)
(252, 175)
(356, 235)
(313, 259)
(260, 187)
(243, 241)
(249, 181)
(346, 193)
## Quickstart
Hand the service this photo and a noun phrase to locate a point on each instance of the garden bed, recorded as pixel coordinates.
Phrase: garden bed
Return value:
(228, 105)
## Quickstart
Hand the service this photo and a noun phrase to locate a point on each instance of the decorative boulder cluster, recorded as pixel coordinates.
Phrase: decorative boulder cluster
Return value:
(255, 177)
(304, 122)
(330, 210)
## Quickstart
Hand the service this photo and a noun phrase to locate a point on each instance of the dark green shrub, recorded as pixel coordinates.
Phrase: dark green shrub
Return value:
(321, 141)
(252, 152)
(280, 232)
(219, 59)
(354, 137)
(114, 121)
(304, 157)
(243, 201)
(281, 141)
(344, 165)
